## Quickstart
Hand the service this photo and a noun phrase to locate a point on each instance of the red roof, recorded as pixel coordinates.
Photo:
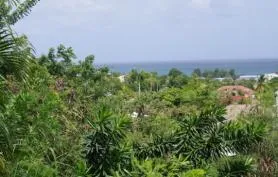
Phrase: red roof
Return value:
(246, 91)
(237, 98)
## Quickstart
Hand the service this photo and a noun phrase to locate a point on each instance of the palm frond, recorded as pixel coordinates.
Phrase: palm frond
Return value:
(22, 9)
(14, 60)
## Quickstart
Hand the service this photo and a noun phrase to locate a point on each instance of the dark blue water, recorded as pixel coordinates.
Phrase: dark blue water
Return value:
(242, 67)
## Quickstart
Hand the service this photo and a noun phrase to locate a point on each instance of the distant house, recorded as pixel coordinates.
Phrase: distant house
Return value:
(223, 78)
(122, 78)
(237, 99)
(270, 76)
(249, 77)
(235, 94)
(219, 78)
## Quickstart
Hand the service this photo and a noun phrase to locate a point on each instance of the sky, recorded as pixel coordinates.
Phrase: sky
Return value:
(156, 30)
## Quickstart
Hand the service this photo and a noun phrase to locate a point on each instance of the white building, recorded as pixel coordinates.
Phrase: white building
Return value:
(223, 78)
(270, 76)
(219, 78)
(122, 78)
(249, 77)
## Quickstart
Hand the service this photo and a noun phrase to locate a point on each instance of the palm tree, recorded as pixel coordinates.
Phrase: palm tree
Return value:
(205, 137)
(260, 84)
(15, 52)
(11, 11)
(236, 166)
(103, 148)
(260, 88)
(14, 59)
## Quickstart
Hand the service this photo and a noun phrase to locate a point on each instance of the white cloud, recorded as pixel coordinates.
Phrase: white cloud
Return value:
(201, 4)
(236, 3)
(100, 13)
(82, 5)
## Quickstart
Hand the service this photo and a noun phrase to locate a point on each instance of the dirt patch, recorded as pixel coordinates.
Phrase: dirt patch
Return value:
(235, 110)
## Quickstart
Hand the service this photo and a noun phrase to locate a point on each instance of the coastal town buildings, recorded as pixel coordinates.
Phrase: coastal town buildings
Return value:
(267, 76)
(249, 77)
(270, 76)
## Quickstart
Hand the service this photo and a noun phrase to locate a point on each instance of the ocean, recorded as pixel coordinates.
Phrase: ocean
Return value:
(242, 67)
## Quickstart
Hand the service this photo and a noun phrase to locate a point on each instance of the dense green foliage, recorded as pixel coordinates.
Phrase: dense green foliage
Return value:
(217, 73)
(59, 117)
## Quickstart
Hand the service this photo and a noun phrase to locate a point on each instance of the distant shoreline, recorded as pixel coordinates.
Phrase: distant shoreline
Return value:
(224, 60)
(241, 67)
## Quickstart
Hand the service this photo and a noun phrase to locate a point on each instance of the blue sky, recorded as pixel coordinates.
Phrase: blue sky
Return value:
(156, 30)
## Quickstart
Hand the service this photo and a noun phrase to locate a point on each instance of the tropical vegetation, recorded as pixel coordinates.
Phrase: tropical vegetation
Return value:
(64, 116)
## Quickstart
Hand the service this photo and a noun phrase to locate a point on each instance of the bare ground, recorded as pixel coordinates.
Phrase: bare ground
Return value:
(234, 110)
